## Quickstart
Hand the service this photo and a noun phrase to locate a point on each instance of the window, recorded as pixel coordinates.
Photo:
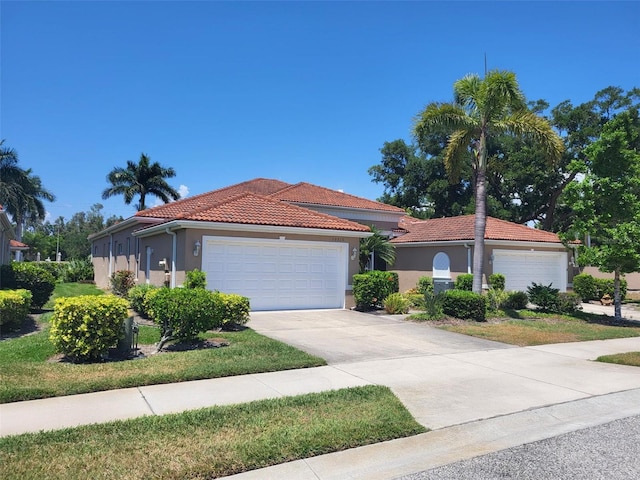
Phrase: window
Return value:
(120, 248)
(441, 268)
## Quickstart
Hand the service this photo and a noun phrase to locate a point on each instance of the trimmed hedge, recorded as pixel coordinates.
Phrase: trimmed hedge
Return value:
(590, 288)
(84, 328)
(464, 305)
(371, 288)
(138, 298)
(231, 309)
(14, 308)
(497, 281)
(424, 285)
(516, 301)
(464, 282)
(195, 279)
(29, 276)
(183, 313)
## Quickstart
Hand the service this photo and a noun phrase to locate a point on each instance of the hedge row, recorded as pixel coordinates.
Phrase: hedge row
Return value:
(370, 289)
(591, 288)
(14, 307)
(34, 277)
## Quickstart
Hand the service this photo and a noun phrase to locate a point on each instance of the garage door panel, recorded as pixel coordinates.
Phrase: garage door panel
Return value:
(522, 268)
(277, 274)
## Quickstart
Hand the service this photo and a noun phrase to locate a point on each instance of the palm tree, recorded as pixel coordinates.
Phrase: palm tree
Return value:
(481, 109)
(141, 179)
(376, 244)
(21, 193)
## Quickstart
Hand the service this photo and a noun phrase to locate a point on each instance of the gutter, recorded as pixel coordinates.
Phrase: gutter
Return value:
(174, 250)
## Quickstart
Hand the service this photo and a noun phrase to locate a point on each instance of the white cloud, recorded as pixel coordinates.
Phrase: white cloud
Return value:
(183, 190)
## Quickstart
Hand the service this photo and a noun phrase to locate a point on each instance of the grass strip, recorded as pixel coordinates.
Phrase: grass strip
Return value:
(542, 332)
(27, 374)
(212, 442)
(630, 358)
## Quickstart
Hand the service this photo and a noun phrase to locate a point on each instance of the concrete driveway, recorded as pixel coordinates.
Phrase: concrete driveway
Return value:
(347, 336)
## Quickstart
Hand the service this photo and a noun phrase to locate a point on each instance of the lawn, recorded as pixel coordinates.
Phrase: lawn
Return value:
(629, 358)
(212, 442)
(527, 328)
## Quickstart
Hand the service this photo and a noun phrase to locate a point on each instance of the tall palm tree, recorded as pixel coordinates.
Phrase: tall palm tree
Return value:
(28, 205)
(483, 107)
(21, 192)
(142, 178)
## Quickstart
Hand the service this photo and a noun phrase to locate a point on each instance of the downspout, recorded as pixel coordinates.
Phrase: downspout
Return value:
(174, 250)
(468, 247)
(110, 254)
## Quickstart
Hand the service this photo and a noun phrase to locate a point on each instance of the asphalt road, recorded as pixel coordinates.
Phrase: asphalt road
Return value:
(608, 452)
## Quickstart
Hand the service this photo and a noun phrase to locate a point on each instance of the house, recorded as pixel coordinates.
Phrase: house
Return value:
(285, 246)
(16, 248)
(443, 249)
(6, 236)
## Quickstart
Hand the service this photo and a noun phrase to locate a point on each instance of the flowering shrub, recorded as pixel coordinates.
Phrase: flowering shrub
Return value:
(14, 307)
(85, 327)
(122, 281)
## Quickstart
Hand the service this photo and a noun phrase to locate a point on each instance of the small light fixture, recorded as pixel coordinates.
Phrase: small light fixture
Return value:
(354, 253)
(196, 248)
(491, 259)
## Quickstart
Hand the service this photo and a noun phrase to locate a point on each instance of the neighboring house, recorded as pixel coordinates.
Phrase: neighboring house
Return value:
(442, 248)
(284, 246)
(16, 248)
(6, 235)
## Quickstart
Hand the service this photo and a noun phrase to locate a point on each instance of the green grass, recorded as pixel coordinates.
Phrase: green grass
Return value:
(72, 290)
(212, 442)
(526, 328)
(27, 374)
(629, 358)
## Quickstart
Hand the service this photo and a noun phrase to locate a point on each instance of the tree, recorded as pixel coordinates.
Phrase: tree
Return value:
(378, 245)
(483, 108)
(9, 175)
(144, 178)
(607, 202)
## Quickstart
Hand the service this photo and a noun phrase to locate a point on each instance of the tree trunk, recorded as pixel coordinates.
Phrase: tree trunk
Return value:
(480, 220)
(617, 301)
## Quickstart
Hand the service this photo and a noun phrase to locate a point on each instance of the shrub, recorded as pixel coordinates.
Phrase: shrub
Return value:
(231, 309)
(56, 269)
(137, 297)
(183, 313)
(585, 286)
(464, 305)
(122, 281)
(433, 305)
(370, 288)
(14, 308)
(85, 327)
(195, 279)
(396, 303)
(516, 301)
(568, 302)
(606, 286)
(78, 271)
(545, 297)
(415, 300)
(496, 299)
(424, 285)
(497, 281)
(32, 277)
(464, 282)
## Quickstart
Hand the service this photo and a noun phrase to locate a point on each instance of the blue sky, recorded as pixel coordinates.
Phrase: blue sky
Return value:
(299, 91)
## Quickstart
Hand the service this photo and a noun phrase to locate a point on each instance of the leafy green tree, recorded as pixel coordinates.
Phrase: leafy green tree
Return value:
(10, 175)
(483, 108)
(378, 245)
(141, 179)
(607, 202)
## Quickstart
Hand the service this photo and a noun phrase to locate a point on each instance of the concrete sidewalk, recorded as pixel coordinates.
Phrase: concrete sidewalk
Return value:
(475, 396)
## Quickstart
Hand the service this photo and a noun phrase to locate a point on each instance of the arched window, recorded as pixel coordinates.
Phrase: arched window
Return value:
(441, 266)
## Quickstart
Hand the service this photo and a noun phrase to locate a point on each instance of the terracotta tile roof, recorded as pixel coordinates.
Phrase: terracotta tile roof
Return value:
(312, 194)
(248, 208)
(260, 186)
(461, 228)
(17, 244)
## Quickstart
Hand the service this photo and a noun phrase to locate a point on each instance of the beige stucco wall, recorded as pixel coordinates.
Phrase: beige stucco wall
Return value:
(415, 262)
(633, 279)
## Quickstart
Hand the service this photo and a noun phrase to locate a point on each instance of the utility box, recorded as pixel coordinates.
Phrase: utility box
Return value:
(130, 341)
(442, 285)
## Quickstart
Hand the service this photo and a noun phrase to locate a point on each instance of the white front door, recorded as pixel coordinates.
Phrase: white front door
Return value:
(277, 274)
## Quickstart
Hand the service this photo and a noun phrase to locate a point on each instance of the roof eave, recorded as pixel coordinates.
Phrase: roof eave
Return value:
(125, 224)
(244, 227)
(498, 243)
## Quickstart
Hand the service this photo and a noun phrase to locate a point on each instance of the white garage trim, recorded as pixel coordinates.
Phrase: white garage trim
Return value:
(522, 267)
(277, 274)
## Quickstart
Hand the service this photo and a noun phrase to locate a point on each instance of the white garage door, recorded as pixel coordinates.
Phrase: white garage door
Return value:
(521, 268)
(277, 274)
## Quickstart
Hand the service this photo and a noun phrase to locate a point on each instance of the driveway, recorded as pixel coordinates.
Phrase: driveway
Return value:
(347, 336)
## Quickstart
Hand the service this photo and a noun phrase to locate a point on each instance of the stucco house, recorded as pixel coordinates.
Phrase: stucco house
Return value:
(285, 246)
(6, 236)
(443, 249)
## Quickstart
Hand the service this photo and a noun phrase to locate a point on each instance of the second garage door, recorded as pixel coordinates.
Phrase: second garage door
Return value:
(277, 274)
(521, 268)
